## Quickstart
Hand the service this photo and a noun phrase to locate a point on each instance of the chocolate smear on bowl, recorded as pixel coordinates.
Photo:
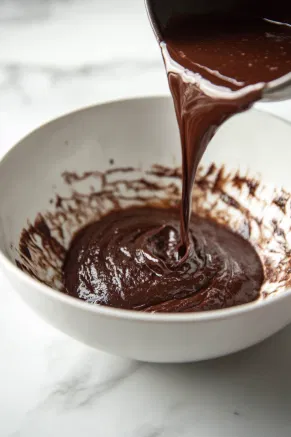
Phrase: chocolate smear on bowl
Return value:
(219, 201)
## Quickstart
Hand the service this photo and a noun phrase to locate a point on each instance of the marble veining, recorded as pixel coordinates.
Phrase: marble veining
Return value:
(56, 56)
(80, 389)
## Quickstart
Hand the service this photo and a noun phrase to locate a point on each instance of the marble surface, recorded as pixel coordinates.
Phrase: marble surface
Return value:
(56, 56)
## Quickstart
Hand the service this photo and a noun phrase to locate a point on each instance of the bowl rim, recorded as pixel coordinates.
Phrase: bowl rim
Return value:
(120, 313)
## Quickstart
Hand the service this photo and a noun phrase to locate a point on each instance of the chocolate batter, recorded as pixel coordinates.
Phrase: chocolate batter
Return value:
(129, 259)
(149, 259)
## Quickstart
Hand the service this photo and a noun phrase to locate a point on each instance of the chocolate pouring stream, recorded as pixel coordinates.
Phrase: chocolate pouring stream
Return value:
(154, 258)
(215, 70)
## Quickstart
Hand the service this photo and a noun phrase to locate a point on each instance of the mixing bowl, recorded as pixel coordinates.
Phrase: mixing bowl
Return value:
(72, 161)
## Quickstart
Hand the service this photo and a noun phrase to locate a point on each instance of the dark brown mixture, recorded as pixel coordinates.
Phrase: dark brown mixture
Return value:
(129, 259)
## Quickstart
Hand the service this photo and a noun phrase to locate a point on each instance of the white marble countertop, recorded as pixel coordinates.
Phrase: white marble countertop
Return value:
(56, 56)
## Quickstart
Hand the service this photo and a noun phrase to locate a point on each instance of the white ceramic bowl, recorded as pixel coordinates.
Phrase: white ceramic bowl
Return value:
(139, 133)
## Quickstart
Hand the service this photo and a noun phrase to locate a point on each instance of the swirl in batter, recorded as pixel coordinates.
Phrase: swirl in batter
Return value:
(133, 259)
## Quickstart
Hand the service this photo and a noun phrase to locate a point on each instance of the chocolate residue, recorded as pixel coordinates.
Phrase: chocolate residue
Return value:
(281, 200)
(253, 214)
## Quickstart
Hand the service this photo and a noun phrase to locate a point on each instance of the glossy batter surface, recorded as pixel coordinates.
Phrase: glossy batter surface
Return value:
(133, 259)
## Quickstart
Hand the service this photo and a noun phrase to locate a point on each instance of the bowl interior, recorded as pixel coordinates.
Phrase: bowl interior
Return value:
(78, 167)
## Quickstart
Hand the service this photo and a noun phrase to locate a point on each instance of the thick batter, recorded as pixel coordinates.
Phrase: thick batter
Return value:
(132, 259)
